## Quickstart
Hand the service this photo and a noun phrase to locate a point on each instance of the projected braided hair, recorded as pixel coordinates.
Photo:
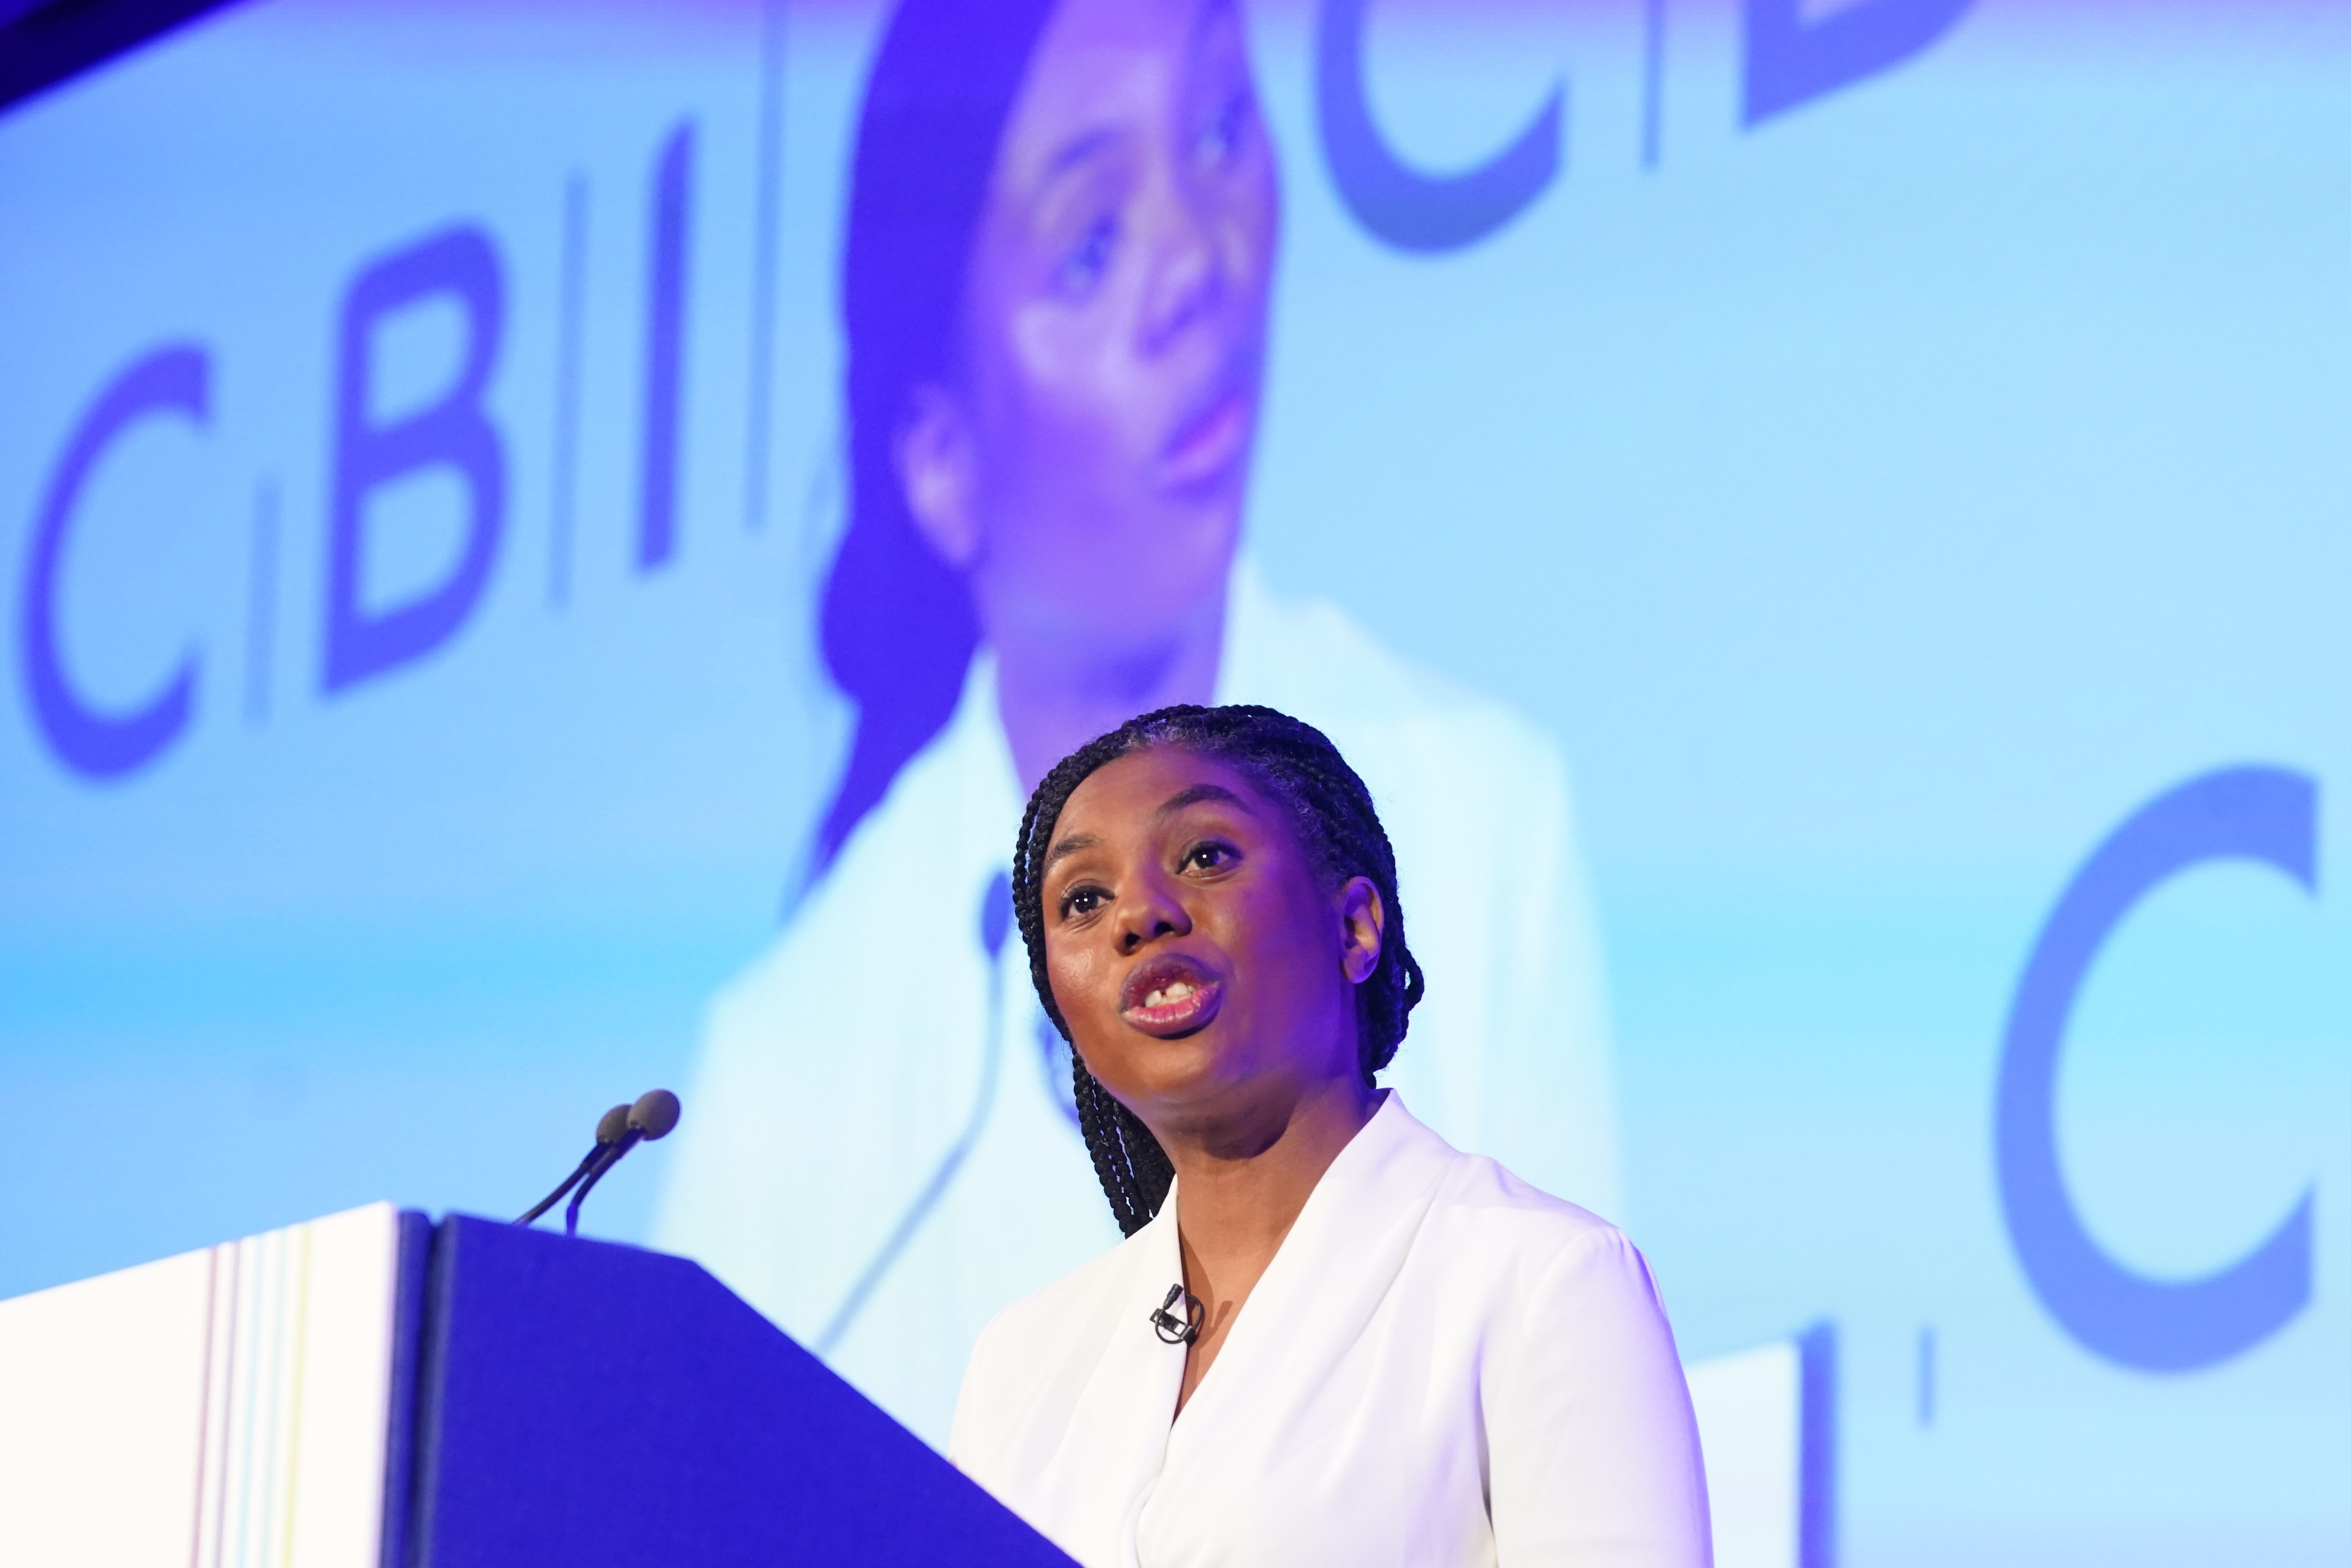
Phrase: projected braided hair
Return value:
(897, 622)
(1332, 813)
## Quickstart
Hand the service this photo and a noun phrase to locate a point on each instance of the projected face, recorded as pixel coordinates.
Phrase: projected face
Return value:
(1206, 969)
(1086, 470)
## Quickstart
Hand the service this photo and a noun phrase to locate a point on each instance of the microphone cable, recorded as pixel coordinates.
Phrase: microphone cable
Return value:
(995, 925)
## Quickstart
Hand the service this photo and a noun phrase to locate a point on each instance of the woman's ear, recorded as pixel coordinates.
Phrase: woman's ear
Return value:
(1362, 923)
(938, 474)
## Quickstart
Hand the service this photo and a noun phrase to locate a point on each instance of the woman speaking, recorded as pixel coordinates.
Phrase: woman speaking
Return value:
(1329, 1337)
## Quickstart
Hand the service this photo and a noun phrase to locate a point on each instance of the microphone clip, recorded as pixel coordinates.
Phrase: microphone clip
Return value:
(1174, 1330)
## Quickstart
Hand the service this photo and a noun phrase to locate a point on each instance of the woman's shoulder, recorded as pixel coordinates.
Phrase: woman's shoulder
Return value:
(1031, 1350)
(1050, 1314)
(1539, 1264)
(1484, 1217)
(944, 813)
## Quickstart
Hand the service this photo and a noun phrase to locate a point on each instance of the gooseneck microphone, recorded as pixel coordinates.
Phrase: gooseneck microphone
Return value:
(618, 1130)
(651, 1117)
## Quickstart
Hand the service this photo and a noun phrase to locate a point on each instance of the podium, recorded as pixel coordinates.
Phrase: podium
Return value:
(374, 1390)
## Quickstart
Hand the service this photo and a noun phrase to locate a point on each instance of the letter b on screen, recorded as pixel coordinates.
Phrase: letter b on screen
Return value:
(453, 431)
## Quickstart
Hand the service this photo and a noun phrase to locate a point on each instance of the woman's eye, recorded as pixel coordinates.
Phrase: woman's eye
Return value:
(1207, 856)
(1081, 901)
(1221, 137)
(1083, 264)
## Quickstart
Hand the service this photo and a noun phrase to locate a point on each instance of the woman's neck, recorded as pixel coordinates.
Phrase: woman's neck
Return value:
(1240, 1190)
(1054, 696)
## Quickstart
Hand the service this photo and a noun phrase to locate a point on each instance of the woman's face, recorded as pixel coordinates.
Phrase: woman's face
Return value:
(1206, 971)
(1087, 470)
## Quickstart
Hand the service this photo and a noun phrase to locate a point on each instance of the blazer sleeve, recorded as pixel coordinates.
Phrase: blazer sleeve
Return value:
(1593, 1451)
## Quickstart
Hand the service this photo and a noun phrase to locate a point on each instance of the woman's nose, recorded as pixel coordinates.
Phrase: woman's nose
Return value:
(1189, 280)
(1151, 912)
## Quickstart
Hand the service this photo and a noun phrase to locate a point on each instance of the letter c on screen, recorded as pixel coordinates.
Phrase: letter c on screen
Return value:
(172, 380)
(2260, 814)
(1400, 205)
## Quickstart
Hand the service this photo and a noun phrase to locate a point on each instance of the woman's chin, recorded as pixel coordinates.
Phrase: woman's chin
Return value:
(1184, 1073)
(1126, 592)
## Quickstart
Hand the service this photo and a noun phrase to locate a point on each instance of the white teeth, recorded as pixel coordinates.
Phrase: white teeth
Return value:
(1181, 990)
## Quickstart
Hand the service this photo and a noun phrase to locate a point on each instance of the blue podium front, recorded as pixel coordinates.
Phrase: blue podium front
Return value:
(573, 1403)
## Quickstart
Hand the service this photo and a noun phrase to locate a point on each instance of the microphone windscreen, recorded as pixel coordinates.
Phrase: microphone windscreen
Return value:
(615, 1124)
(654, 1113)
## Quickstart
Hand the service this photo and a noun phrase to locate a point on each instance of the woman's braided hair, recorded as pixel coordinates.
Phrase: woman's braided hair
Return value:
(1332, 813)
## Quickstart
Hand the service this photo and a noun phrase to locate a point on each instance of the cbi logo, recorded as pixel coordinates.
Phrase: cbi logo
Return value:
(1788, 60)
(362, 637)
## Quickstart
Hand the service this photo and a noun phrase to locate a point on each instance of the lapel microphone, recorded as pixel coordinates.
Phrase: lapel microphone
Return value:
(1174, 1330)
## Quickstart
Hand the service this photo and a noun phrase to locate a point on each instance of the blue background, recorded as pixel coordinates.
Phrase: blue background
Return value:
(1881, 500)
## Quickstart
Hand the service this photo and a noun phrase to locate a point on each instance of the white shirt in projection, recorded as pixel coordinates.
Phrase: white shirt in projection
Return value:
(879, 1154)
(1441, 1366)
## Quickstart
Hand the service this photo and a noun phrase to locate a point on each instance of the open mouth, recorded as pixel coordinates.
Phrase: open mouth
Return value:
(1169, 996)
(1207, 446)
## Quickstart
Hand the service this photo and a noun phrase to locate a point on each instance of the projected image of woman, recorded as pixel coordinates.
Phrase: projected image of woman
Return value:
(1062, 240)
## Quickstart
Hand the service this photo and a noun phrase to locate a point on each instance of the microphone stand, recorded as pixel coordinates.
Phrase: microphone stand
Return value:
(620, 1130)
(556, 1197)
(609, 1129)
(609, 1157)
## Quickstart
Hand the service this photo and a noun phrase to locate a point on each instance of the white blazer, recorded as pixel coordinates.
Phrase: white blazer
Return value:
(881, 1153)
(1441, 1366)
